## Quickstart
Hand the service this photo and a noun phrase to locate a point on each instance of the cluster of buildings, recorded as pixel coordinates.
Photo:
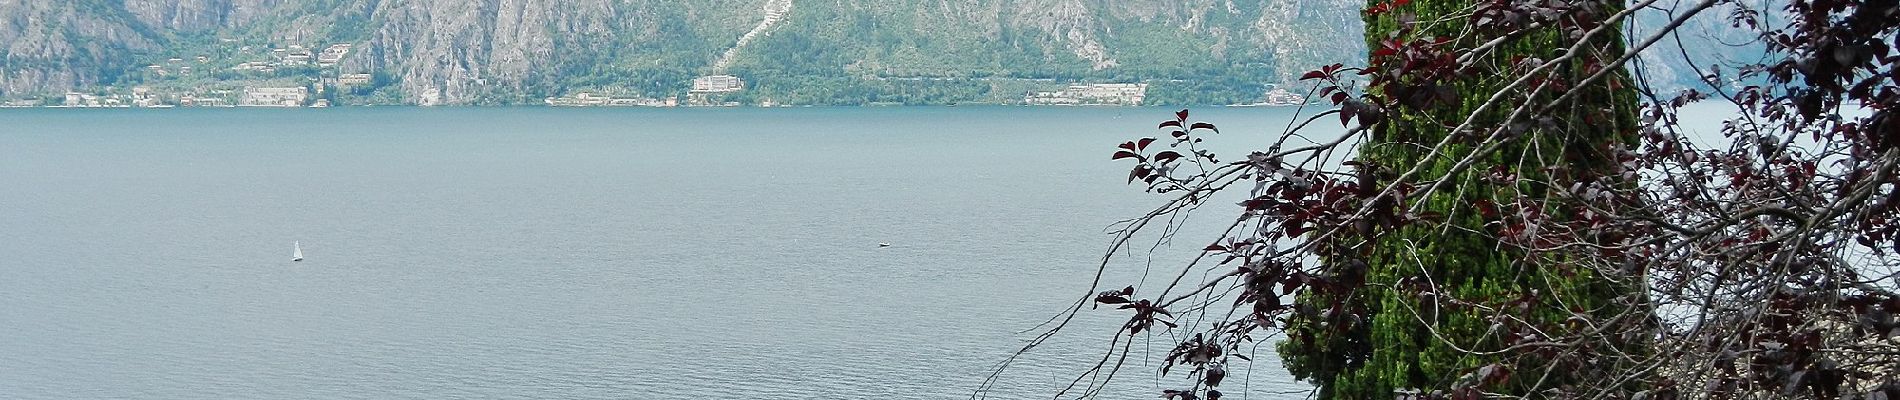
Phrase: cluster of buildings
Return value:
(1119, 94)
(212, 100)
(175, 66)
(253, 96)
(1281, 97)
(718, 84)
(144, 97)
(348, 80)
(709, 90)
(704, 92)
(296, 56)
(333, 54)
(353, 79)
(275, 97)
(1278, 96)
(256, 66)
(588, 99)
(83, 100)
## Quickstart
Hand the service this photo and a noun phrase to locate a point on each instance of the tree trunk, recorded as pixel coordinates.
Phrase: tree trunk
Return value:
(1397, 332)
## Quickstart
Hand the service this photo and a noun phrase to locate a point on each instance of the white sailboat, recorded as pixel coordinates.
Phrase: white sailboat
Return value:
(296, 252)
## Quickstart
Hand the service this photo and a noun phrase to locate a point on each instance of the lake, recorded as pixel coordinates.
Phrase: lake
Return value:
(569, 253)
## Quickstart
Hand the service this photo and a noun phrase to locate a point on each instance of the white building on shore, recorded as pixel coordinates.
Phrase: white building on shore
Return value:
(1124, 94)
(275, 96)
(718, 84)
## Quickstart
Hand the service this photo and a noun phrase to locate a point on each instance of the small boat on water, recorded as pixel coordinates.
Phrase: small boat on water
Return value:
(296, 251)
(883, 245)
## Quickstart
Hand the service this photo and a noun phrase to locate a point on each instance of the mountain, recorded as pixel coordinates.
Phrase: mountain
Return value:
(1709, 43)
(460, 52)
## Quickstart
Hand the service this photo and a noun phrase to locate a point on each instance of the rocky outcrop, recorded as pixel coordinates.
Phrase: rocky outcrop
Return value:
(1073, 23)
(192, 16)
(452, 51)
(56, 46)
(444, 52)
(1304, 35)
(180, 15)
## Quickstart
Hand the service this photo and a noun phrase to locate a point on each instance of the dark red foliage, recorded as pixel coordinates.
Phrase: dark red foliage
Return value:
(1767, 263)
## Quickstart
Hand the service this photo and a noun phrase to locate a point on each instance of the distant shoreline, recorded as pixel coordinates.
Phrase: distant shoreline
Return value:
(664, 108)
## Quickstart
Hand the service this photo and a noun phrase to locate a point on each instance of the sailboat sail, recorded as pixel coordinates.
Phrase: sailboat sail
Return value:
(296, 253)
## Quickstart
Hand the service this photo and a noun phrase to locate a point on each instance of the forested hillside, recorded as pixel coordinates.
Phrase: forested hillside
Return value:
(815, 52)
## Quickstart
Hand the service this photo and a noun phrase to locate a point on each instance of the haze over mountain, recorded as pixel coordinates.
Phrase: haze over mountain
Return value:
(459, 52)
(811, 52)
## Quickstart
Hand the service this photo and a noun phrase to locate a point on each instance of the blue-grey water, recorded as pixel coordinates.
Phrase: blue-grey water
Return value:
(570, 254)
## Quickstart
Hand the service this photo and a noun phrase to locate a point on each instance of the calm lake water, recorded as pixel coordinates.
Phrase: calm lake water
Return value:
(570, 254)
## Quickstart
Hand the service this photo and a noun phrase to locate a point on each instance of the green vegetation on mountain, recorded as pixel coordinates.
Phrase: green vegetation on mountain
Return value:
(523, 51)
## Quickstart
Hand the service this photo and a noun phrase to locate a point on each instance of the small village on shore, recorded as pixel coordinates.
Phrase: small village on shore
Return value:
(297, 76)
(706, 91)
(235, 74)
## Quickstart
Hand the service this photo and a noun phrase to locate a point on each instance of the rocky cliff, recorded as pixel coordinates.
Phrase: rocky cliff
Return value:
(52, 46)
(518, 51)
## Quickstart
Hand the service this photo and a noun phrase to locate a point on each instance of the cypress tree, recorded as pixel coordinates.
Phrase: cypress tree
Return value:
(1389, 335)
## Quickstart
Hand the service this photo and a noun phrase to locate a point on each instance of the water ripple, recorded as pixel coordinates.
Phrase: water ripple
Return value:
(465, 254)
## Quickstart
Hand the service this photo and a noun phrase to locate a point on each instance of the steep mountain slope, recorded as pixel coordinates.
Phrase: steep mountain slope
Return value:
(821, 51)
(187, 16)
(1201, 47)
(51, 46)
